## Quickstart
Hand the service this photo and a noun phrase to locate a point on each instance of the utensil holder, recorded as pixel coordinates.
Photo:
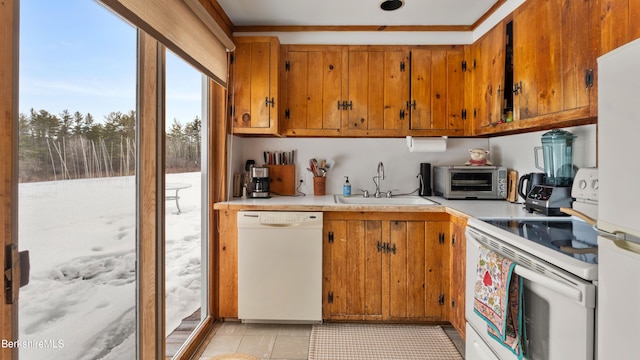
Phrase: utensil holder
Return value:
(319, 185)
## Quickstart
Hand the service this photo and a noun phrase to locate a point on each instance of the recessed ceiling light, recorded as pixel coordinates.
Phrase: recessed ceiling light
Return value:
(390, 5)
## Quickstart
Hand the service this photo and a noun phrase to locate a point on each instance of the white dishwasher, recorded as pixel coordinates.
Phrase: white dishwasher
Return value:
(280, 267)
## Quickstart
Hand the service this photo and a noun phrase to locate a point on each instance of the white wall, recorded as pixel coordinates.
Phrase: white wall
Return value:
(356, 158)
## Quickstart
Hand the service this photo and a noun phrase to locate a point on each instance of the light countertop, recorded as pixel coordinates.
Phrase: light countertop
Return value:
(467, 208)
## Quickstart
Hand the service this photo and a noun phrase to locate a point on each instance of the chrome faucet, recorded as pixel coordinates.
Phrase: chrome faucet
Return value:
(378, 179)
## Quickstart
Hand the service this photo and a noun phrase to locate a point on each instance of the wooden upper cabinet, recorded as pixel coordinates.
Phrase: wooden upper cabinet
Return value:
(489, 80)
(372, 91)
(437, 90)
(312, 90)
(554, 49)
(254, 87)
(554, 68)
(620, 25)
(376, 91)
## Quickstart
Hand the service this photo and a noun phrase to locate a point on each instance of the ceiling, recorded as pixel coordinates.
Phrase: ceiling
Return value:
(317, 13)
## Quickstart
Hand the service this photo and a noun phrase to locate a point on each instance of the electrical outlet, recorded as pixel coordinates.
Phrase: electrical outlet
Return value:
(301, 178)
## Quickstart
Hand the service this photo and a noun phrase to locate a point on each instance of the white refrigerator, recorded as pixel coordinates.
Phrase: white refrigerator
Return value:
(618, 329)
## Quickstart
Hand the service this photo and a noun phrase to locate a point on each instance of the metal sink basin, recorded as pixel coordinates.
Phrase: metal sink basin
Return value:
(405, 200)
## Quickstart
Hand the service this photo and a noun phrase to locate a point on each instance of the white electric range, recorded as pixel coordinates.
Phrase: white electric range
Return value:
(556, 257)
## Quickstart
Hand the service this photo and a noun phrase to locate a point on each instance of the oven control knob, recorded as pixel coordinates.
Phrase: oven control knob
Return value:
(595, 184)
(582, 184)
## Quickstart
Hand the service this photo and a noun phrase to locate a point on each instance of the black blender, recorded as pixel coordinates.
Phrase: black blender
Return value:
(555, 191)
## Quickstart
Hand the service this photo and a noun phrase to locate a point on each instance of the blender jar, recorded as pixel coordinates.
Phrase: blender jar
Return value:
(557, 151)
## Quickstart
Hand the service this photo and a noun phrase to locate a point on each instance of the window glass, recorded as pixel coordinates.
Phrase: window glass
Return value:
(77, 200)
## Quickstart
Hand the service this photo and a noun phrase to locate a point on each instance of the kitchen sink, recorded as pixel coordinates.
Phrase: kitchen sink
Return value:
(394, 200)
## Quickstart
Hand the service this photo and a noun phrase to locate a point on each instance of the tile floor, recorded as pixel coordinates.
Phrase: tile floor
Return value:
(272, 342)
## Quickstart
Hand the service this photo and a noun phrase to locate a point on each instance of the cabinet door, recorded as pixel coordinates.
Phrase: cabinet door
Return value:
(353, 269)
(416, 270)
(458, 269)
(551, 66)
(313, 82)
(490, 78)
(377, 90)
(228, 264)
(255, 86)
(436, 89)
(421, 84)
(619, 23)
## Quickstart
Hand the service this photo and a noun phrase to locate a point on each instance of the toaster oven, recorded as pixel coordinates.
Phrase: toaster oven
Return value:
(470, 182)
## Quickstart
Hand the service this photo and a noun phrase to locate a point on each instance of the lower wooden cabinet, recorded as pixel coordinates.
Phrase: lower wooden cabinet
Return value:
(377, 266)
(458, 273)
(386, 266)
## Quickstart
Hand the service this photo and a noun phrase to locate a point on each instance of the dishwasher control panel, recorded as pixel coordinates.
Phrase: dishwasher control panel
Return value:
(284, 218)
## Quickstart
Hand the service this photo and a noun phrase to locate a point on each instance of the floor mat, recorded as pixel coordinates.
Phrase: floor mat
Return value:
(335, 341)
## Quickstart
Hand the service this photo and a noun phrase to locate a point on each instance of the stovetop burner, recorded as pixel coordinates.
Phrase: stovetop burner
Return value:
(571, 237)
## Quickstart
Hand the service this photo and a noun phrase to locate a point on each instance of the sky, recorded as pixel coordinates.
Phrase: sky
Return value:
(78, 55)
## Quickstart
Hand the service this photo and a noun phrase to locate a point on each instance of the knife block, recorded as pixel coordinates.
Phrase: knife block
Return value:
(282, 179)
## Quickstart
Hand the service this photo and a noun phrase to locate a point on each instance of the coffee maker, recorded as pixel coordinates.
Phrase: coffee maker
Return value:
(259, 182)
(555, 190)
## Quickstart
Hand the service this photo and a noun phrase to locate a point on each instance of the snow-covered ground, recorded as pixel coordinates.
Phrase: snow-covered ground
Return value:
(81, 234)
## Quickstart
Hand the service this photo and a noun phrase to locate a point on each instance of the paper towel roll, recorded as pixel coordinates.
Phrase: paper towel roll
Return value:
(427, 144)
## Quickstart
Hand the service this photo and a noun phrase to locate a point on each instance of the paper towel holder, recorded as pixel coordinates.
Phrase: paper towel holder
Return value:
(427, 144)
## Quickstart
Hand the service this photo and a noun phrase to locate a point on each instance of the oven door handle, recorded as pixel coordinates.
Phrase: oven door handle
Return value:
(555, 285)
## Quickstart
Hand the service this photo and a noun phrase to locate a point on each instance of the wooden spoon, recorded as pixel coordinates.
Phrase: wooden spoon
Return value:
(569, 211)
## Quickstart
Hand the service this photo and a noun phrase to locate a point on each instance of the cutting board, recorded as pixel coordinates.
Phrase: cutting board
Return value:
(512, 186)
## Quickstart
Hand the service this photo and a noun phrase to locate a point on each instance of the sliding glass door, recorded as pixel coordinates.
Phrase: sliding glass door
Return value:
(77, 186)
(186, 202)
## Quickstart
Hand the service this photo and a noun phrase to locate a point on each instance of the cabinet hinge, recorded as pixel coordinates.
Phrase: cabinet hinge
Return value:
(588, 78)
(453, 303)
(441, 299)
(330, 297)
(453, 240)
(232, 58)
(441, 238)
(232, 110)
(464, 114)
(402, 66)
(464, 65)
(330, 237)
(287, 65)
(287, 114)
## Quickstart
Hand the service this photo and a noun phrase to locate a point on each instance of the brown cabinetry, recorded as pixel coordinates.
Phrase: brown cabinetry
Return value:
(437, 91)
(254, 94)
(458, 272)
(619, 20)
(377, 91)
(386, 266)
(377, 266)
(554, 48)
(382, 91)
(227, 270)
(312, 91)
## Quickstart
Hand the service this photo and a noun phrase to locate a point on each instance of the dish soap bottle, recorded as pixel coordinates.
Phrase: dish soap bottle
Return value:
(346, 188)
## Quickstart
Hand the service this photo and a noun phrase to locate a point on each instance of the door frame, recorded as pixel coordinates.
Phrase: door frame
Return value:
(9, 77)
